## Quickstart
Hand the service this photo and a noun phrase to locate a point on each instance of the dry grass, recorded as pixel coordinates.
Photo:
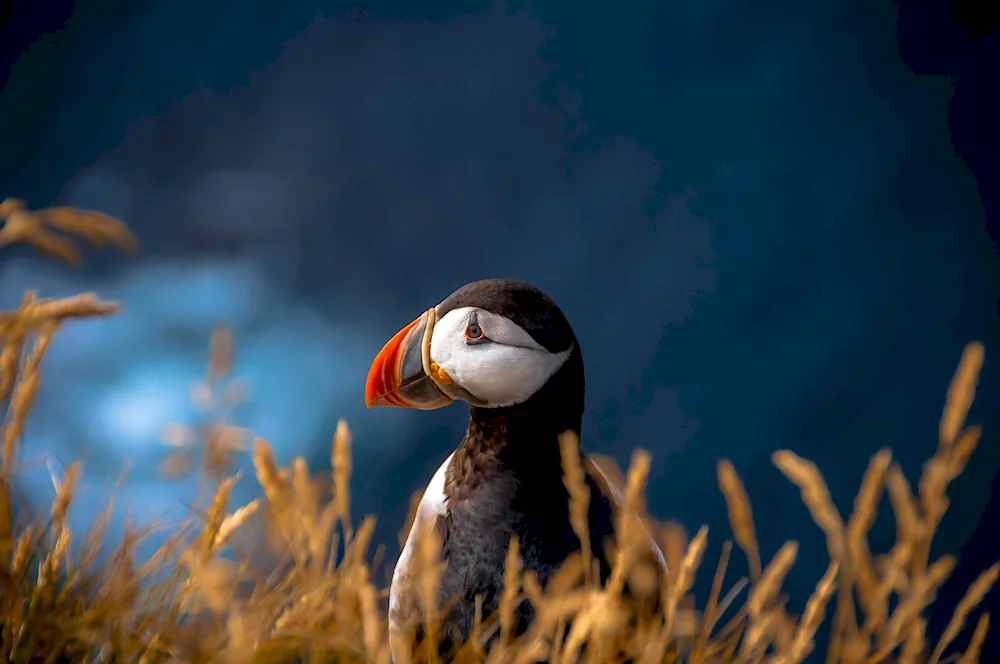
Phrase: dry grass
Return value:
(203, 598)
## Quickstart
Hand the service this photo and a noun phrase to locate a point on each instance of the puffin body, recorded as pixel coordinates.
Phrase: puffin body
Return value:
(505, 348)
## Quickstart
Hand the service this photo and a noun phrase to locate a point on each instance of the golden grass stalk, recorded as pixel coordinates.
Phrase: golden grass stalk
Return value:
(628, 540)
(971, 655)
(806, 476)
(740, 514)
(341, 463)
(914, 645)
(21, 225)
(579, 496)
(802, 644)
(973, 596)
(685, 580)
(765, 591)
(511, 590)
(858, 526)
(431, 569)
(961, 393)
(23, 395)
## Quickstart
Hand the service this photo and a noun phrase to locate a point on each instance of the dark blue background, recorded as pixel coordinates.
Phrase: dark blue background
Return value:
(765, 220)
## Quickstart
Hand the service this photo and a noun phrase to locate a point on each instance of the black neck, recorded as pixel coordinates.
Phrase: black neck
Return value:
(523, 438)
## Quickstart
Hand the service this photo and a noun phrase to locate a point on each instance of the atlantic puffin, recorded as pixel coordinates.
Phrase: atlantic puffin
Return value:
(506, 349)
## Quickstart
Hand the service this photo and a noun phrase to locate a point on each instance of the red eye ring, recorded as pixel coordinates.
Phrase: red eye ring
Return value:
(473, 331)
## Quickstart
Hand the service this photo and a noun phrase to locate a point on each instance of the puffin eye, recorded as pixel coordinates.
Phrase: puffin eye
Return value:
(473, 332)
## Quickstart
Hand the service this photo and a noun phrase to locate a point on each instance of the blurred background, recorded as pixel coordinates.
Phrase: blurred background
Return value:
(767, 223)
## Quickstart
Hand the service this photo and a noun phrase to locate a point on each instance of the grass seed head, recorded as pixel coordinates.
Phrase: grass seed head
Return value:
(740, 514)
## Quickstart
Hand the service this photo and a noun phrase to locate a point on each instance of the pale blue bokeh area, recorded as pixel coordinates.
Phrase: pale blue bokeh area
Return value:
(112, 385)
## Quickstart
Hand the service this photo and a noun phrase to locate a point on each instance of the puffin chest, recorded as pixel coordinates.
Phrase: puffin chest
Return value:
(477, 528)
(482, 516)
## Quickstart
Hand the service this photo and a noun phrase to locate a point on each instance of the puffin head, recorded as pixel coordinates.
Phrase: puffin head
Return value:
(493, 343)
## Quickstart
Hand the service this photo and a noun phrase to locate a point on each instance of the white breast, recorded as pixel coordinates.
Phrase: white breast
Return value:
(433, 504)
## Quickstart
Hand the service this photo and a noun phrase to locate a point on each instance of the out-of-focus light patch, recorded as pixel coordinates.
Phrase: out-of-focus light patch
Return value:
(300, 368)
(195, 294)
(83, 342)
(130, 415)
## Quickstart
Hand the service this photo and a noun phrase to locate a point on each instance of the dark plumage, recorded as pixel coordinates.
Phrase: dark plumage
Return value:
(505, 477)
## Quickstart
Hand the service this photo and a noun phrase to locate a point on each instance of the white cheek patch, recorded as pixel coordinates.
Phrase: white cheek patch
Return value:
(505, 372)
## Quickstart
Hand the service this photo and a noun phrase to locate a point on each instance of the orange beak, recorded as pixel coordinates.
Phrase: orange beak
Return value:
(397, 376)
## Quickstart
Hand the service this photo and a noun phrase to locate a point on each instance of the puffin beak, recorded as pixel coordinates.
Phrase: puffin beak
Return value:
(398, 377)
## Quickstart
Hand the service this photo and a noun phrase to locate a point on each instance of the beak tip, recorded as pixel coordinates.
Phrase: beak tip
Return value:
(385, 387)
(373, 398)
